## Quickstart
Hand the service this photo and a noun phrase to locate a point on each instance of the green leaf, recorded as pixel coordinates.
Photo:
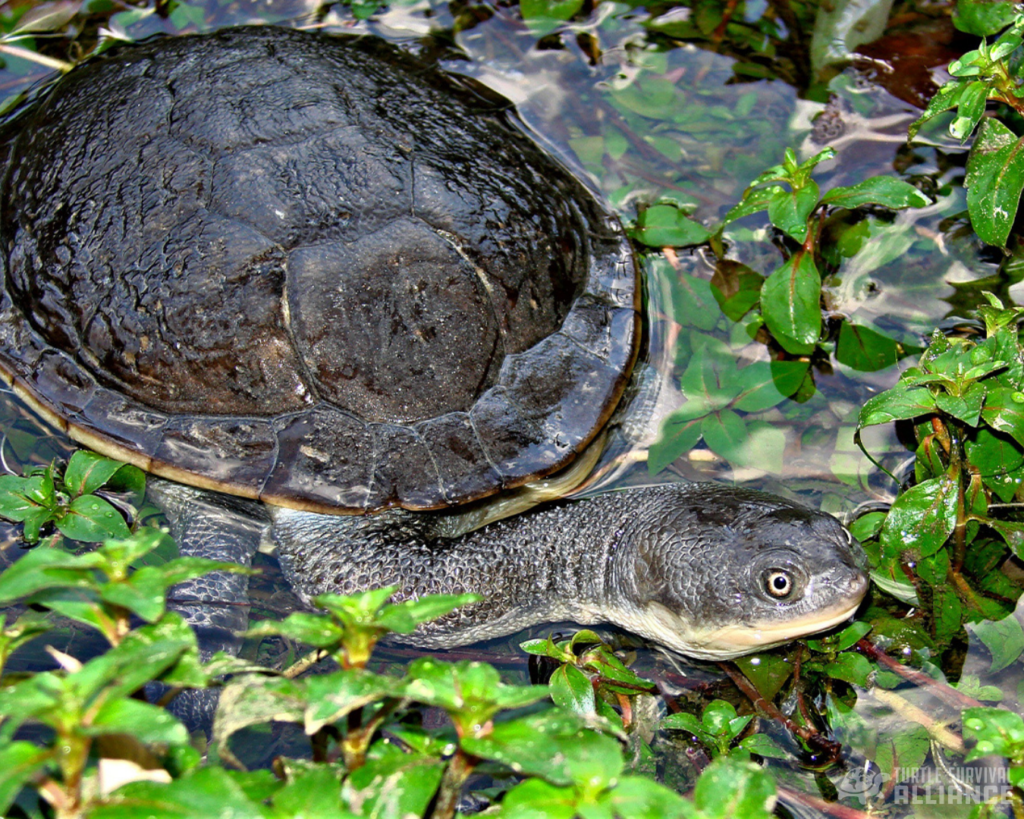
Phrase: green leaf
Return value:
(754, 200)
(145, 722)
(922, 518)
(1003, 638)
(995, 178)
(984, 17)
(544, 16)
(853, 668)
(536, 799)
(790, 303)
(867, 350)
(730, 788)
(763, 745)
(254, 700)
(91, 520)
(46, 568)
(640, 798)
(684, 722)
(88, 471)
(948, 97)
(877, 190)
(333, 696)
(471, 692)
(553, 744)
(996, 731)
(312, 793)
(897, 404)
(199, 792)
(970, 112)
(902, 750)
(667, 226)
(790, 210)
(19, 762)
(1004, 412)
(767, 384)
(965, 407)
(28, 500)
(571, 689)
(843, 640)
(677, 437)
(314, 630)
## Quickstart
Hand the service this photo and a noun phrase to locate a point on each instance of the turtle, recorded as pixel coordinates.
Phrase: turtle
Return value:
(341, 303)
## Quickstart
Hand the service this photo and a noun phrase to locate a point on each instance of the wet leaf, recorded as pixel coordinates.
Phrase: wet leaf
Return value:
(790, 210)
(790, 303)
(684, 722)
(30, 501)
(897, 404)
(995, 178)
(969, 114)
(678, 436)
(536, 798)
(767, 384)
(199, 792)
(867, 350)
(947, 97)
(88, 471)
(921, 519)
(877, 190)
(904, 750)
(667, 226)
(754, 200)
(333, 696)
(984, 17)
(45, 17)
(314, 792)
(763, 745)
(1004, 412)
(965, 407)
(995, 730)
(90, 519)
(1003, 638)
(544, 16)
(843, 640)
(851, 667)
(768, 672)
(19, 762)
(143, 721)
(730, 787)
(571, 689)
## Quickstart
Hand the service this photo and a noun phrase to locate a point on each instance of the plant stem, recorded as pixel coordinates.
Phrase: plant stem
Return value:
(455, 776)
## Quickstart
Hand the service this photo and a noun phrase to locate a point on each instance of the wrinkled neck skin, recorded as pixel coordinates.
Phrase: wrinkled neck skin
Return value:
(684, 565)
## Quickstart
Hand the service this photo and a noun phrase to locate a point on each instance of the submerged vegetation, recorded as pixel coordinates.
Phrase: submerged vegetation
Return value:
(777, 248)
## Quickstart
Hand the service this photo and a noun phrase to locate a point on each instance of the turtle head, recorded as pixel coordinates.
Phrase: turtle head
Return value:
(716, 572)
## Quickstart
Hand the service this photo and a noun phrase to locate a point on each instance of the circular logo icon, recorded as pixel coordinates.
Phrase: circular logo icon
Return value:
(862, 782)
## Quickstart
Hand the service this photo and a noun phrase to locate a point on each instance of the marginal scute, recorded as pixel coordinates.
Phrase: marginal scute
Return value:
(462, 463)
(223, 449)
(308, 269)
(404, 470)
(323, 455)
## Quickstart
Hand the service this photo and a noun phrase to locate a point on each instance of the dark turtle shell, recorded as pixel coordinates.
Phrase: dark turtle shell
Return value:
(307, 269)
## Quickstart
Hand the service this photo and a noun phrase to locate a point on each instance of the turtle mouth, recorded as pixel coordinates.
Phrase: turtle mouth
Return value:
(745, 638)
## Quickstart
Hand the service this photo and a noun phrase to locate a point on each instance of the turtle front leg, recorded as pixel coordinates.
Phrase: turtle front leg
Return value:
(216, 605)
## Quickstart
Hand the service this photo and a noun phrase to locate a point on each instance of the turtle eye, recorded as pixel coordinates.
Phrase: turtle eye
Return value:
(779, 583)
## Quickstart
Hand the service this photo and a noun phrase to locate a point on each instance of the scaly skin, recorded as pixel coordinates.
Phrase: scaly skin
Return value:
(676, 564)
